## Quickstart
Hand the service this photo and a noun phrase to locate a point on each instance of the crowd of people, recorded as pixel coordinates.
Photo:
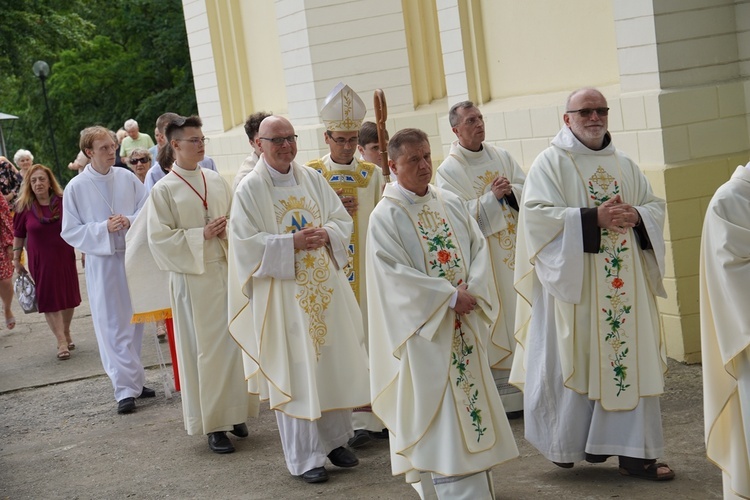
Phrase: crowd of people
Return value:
(370, 300)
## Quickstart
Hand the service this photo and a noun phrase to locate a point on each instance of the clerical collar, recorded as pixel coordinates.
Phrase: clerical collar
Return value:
(280, 179)
(343, 166)
(474, 155)
(748, 165)
(411, 197)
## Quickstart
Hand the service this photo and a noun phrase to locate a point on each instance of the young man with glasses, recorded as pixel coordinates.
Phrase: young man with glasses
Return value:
(490, 182)
(187, 219)
(359, 185)
(590, 261)
(157, 172)
(292, 309)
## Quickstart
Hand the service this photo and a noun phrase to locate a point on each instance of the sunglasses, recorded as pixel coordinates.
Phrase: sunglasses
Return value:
(136, 161)
(586, 112)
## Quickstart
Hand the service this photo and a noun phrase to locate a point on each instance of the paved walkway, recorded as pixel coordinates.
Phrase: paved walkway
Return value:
(60, 437)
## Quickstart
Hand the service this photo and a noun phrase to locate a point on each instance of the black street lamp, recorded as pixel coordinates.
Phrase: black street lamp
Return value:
(41, 69)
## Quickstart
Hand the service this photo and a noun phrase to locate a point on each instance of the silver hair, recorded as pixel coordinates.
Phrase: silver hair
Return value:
(453, 117)
(130, 124)
(22, 153)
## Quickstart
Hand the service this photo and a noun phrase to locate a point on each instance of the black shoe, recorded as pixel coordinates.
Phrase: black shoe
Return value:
(341, 457)
(384, 434)
(513, 415)
(316, 475)
(564, 465)
(126, 405)
(147, 393)
(240, 430)
(219, 442)
(596, 459)
(361, 437)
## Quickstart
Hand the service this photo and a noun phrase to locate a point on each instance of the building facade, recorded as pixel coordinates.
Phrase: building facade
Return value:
(676, 74)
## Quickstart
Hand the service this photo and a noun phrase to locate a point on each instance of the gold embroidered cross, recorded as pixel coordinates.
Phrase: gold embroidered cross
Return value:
(428, 218)
(602, 178)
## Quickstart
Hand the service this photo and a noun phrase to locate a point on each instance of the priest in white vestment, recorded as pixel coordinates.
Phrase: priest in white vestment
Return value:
(359, 184)
(432, 302)
(293, 311)
(100, 204)
(187, 220)
(490, 182)
(725, 331)
(590, 261)
(252, 124)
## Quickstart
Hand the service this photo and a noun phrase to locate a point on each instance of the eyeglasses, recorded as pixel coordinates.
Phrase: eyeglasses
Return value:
(136, 161)
(586, 112)
(474, 120)
(352, 141)
(196, 140)
(278, 141)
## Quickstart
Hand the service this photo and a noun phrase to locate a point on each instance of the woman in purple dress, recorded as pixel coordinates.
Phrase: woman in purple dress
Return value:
(52, 262)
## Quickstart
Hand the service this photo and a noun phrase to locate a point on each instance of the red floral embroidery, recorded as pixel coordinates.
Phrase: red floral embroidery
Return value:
(443, 256)
(617, 283)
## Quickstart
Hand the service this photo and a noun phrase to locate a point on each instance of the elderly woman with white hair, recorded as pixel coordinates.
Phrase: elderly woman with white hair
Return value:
(23, 160)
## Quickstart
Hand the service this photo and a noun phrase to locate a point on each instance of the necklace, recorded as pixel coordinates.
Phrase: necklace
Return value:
(111, 206)
(203, 198)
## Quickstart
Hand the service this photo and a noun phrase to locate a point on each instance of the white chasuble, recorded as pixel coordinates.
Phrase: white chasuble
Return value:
(363, 181)
(214, 393)
(299, 322)
(430, 379)
(605, 317)
(725, 331)
(469, 175)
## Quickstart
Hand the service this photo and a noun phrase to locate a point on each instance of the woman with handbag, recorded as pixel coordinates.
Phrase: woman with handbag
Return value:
(52, 262)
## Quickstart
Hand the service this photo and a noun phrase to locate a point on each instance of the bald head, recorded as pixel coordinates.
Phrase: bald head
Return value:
(277, 142)
(586, 114)
(272, 123)
(583, 91)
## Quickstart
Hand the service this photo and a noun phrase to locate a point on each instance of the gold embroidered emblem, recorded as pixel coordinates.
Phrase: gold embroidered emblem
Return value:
(349, 182)
(505, 237)
(602, 179)
(311, 268)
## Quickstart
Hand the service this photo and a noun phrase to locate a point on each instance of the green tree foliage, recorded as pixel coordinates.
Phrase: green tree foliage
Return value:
(110, 60)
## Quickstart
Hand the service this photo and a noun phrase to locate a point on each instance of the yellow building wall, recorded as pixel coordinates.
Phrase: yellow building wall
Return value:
(261, 39)
(535, 47)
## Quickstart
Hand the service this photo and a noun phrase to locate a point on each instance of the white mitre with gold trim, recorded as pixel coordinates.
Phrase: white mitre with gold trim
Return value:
(343, 110)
